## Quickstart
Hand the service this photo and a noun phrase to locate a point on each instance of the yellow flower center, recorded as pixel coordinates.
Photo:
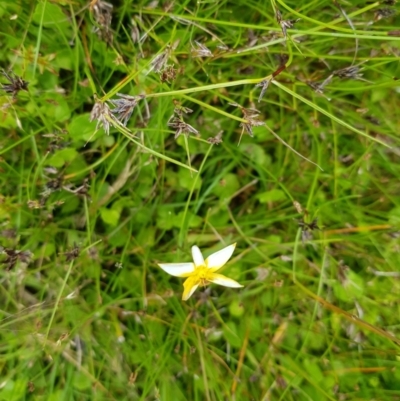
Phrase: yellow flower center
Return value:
(204, 274)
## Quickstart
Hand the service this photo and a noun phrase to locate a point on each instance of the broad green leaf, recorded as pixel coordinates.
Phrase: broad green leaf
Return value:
(146, 236)
(192, 220)
(62, 157)
(256, 154)
(56, 108)
(187, 179)
(166, 218)
(50, 14)
(13, 390)
(273, 195)
(227, 186)
(236, 308)
(81, 381)
(80, 128)
(110, 216)
(313, 369)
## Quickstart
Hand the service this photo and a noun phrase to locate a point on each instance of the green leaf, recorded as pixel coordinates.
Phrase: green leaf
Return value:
(64, 59)
(55, 108)
(271, 196)
(218, 217)
(231, 336)
(352, 288)
(110, 216)
(274, 238)
(48, 249)
(61, 157)
(56, 395)
(107, 141)
(256, 154)
(81, 381)
(378, 95)
(227, 186)
(81, 128)
(13, 390)
(147, 236)
(166, 218)
(71, 206)
(187, 179)
(117, 163)
(313, 369)
(236, 309)
(171, 178)
(52, 14)
(119, 238)
(394, 216)
(144, 187)
(193, 220)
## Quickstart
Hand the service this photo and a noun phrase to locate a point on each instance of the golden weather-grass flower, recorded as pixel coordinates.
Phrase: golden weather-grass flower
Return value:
(202, 272)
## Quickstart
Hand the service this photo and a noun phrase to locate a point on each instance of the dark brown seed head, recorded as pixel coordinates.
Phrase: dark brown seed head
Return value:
(16, 83)
(125, 106)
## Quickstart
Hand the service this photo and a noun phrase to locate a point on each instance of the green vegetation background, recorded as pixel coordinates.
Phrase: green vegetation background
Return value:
(86, 314)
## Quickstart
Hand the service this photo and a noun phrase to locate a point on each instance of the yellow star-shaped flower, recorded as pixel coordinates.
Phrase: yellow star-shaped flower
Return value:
(202, 272)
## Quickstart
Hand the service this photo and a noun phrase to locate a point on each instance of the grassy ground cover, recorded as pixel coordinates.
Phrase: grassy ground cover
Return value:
(131, 131)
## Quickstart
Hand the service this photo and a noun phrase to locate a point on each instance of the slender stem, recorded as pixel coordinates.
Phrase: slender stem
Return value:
(58, 301)
(184, 222)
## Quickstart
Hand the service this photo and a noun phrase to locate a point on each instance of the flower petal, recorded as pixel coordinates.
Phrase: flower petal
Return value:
(225, 281)
(178, 269)
(218, 259)
(189, 287)
(197, 256)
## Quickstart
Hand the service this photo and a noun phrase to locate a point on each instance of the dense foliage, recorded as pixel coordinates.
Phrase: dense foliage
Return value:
(131, 131)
